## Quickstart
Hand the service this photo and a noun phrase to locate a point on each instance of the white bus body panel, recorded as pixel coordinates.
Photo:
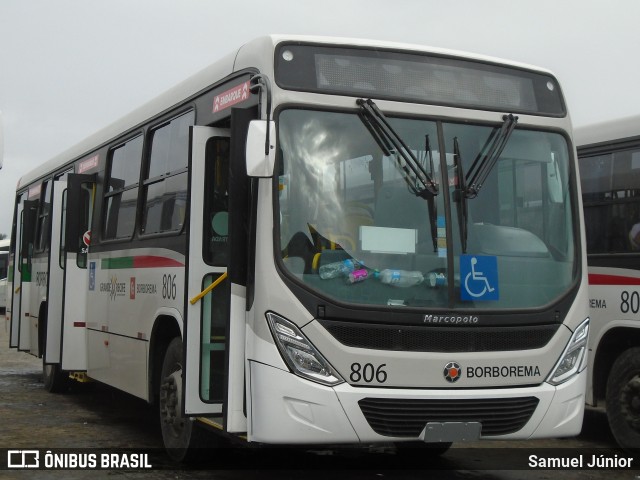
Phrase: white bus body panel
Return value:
(285, 406)
(125, 294)
(606, 311)
(236, 418)
(24, 340)
(74, 333)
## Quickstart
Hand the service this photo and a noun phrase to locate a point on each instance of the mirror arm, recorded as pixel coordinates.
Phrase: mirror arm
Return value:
(261, 82)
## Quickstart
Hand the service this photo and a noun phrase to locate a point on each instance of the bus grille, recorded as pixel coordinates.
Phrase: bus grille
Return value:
(408, 417)
(440, 339)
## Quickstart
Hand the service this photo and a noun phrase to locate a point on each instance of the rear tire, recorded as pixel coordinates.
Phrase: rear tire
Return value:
(180, 435)
(623, 399)
(55, 379)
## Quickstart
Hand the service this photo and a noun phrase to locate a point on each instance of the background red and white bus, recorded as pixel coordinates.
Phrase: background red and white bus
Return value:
(609, 159)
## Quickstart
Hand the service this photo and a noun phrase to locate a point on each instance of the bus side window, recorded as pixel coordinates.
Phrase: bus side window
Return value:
(165, 185)
(42, 228)
(216, 209)
(121, 194)
(29, 217)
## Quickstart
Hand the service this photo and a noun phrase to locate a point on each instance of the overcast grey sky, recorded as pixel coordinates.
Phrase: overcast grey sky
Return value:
(70, 67)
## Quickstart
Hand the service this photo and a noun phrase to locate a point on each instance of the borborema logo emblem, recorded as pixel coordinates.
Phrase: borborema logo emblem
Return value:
(452, 372)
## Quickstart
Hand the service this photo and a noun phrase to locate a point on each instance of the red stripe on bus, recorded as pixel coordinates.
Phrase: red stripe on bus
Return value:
(150, 261)
(79, 324)
(602, 279)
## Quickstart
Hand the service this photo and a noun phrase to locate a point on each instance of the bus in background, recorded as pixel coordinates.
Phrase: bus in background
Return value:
(319, 241)
(1, 141)
(609, 161)
(4, 270)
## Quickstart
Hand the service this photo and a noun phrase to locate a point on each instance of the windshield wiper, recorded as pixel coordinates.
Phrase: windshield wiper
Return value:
(469, 185)
(488, 156)
(418, 180)
(431, 201)
(459, 196)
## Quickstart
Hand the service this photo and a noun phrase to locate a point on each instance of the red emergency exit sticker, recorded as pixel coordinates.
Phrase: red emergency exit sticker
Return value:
(231, 97)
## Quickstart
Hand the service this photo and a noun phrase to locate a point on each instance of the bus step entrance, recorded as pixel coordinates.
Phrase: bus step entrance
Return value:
(81, 377)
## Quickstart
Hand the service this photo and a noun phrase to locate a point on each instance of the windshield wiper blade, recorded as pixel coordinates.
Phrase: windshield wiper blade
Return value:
(460, 197)
(420, 183)
(469, 185)
(488, 156)
(431, 201)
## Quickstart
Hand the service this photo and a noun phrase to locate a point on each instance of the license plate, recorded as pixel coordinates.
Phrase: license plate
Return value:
(451, 432)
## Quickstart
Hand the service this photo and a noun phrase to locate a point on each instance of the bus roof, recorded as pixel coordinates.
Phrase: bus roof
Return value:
(252, 54)
(619, 129)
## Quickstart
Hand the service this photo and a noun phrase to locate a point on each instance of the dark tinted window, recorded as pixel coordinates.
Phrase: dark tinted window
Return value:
(42, 232)
(122, 189)
(165, 195)
(612, 200)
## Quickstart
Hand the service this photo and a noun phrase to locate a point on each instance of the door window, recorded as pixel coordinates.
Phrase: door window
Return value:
(216, 210)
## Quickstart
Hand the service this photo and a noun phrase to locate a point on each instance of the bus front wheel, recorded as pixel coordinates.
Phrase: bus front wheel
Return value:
(623, 399)
(179, 433)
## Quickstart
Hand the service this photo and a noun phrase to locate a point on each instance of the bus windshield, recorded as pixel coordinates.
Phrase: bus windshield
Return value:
(353, 229)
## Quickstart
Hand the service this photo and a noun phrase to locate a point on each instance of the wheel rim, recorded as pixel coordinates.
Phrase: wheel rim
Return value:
(630, 402)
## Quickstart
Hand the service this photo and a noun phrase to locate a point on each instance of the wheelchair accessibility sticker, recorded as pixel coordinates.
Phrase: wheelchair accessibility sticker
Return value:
(479, 276)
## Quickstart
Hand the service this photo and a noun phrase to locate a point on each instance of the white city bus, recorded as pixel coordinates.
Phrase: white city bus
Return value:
(316, 241)
(609, 156)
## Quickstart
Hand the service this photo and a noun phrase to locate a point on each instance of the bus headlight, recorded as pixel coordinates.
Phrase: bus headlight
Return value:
(574, 357)
(299, 354)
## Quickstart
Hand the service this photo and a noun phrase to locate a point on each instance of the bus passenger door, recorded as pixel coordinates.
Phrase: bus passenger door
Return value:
(55, 291)
(25, 259)
(208, 289)
(77, 213)
(15, 278)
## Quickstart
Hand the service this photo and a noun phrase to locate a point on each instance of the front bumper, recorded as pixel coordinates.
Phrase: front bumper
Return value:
(287, 409)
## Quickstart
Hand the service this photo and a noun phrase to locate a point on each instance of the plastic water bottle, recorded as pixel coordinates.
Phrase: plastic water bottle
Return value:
(337, 269)
(401, 278)
(437, 279)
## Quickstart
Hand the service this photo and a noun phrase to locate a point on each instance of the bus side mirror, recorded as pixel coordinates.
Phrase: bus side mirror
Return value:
(261, 148)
